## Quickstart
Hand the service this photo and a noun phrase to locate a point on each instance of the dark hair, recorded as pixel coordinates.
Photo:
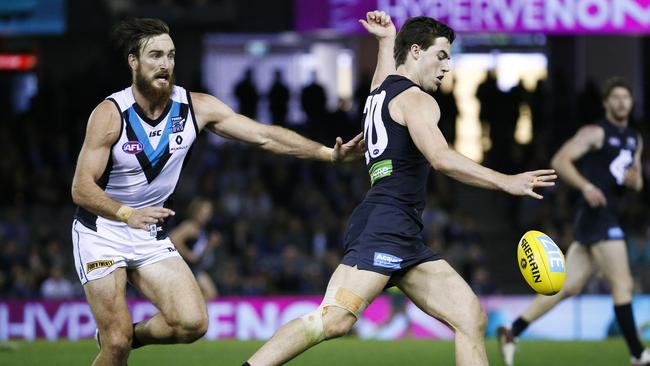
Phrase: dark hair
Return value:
(130, 35)
(615, 82)
(421, 31)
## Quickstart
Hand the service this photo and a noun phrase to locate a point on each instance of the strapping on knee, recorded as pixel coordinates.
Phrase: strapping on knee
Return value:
(345, 299)
(335, 296)
(314, 329)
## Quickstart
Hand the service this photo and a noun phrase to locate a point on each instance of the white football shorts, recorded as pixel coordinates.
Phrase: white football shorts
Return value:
(115, 245)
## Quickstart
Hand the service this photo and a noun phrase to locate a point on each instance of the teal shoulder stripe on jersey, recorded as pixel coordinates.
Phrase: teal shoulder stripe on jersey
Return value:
(379, 170)
(163, 143)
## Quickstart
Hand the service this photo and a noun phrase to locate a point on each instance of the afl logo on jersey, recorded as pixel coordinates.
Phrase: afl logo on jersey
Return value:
(614, 141)
(132, 147)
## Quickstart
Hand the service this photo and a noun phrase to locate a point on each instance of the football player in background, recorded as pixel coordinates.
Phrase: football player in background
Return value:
(610, 154)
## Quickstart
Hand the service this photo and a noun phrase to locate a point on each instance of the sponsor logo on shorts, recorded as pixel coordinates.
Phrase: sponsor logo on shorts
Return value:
(615, 232)
(154, 229)
(99, 264)
(379, 170)
(171, 249)
(132, 147)
(387, 261)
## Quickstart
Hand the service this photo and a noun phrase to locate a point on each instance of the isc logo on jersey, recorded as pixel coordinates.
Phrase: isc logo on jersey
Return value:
(541, 262)
(132, 147)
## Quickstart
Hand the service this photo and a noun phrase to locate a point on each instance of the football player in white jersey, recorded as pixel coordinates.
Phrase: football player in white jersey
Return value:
(135, 145)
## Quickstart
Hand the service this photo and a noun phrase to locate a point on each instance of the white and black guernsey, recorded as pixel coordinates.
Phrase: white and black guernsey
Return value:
(146, 160)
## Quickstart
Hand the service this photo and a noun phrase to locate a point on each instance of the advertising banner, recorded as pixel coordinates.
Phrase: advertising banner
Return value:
(388, 317)
(479, 16)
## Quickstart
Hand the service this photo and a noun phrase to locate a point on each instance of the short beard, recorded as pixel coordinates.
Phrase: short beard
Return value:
(157, 96)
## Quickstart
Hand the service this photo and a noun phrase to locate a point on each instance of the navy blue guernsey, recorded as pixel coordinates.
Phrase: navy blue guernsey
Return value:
(398, 170)
(605, 168)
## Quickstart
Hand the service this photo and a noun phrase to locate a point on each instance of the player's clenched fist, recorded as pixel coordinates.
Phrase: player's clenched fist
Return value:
(379, 24)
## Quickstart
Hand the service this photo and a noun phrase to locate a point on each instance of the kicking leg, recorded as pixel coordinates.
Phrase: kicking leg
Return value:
(439, 291)
(611, 258)
(107, 299)
(348, 293)
(171, 287)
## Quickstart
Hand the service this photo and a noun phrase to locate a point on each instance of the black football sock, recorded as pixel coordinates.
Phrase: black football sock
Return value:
(246, 364)
(518, 327)
(625, 320)
(135, 342)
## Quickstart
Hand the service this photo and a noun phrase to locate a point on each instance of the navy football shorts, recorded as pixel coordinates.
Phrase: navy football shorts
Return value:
(595, 225)
(386, 239)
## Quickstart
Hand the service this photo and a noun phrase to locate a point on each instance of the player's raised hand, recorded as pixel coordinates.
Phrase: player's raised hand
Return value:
(379, 24)
(141, 218)
(524, 184)
(594, 196)
(351, 150)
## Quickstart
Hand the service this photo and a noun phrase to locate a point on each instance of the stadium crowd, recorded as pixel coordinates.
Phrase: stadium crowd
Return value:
(282, 219)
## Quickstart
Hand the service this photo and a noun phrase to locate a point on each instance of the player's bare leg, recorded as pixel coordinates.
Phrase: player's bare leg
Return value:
(437, 289)
(171, 287)
(107, 299)
(208, 289)
(348, 287)
(611, 257)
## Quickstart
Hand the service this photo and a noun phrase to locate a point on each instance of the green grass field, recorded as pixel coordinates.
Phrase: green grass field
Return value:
(348, 351)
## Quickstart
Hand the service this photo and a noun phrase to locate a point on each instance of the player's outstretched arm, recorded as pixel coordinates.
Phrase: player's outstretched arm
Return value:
(102, 132)
(217, 117)
(379, 24)
(633, 175)
(421, 113)
(588, 138)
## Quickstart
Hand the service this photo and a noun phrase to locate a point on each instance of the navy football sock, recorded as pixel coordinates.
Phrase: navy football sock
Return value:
(625, 320)
(519, 326)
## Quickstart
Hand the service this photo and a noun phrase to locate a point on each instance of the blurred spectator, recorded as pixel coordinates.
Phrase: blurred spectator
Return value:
(341, 125)
(247, 95)
(57, 287)
(361, 94)
(540, 110)
(313, 100)
(448, 114)
(278, 97)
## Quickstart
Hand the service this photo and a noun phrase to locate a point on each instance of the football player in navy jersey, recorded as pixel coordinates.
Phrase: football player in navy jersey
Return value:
(136, 144)
(383, 242)
(602, 160)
